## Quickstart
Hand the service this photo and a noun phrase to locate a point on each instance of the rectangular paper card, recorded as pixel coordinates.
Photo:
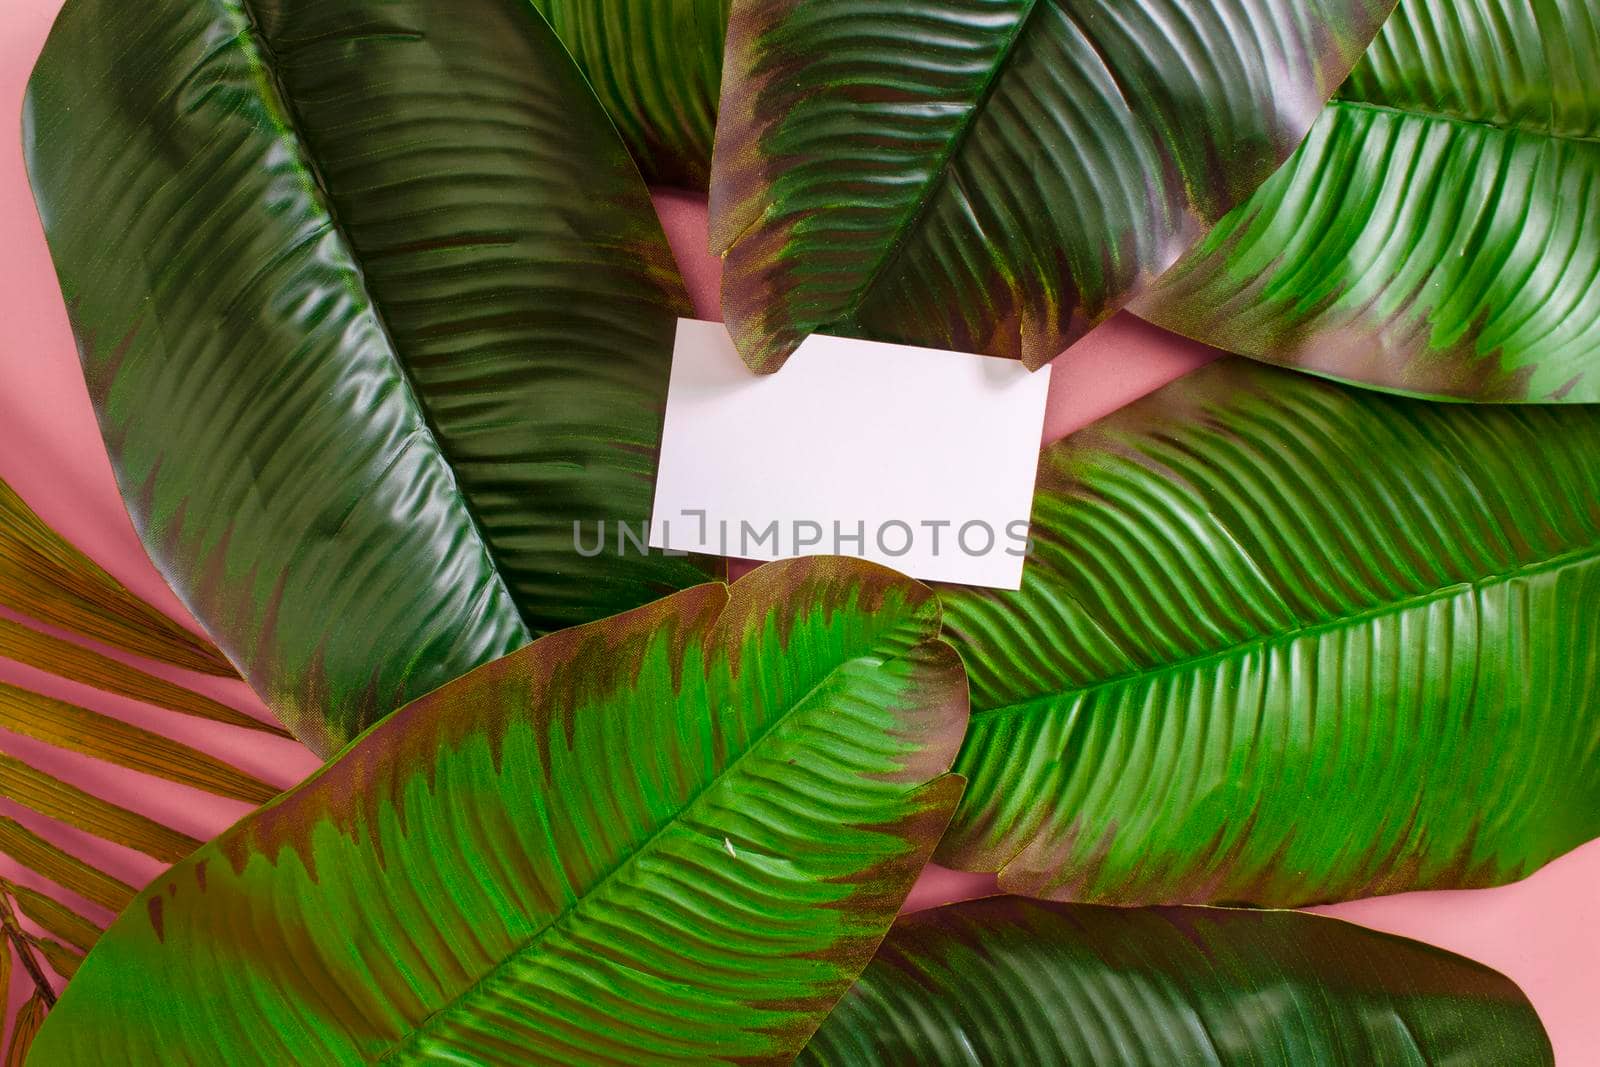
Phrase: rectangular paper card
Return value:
(919, 459)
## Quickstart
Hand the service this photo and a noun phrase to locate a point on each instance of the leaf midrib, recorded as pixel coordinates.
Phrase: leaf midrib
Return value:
(534, 940)
(1446, 117)
(941, 171)
(1557, 562)
(268, 62)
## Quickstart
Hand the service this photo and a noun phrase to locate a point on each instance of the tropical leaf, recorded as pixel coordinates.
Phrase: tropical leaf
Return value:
(1439, 232)
(656, 65)
(77, 729)
(1011, 981)
(43, 576)
(53, 916)
(1284, 642)
(63, 960)
(55, 799)
(15, 940)
(52, 862)
(24, 1029)
(68, 727)
(78, 664)
(677, 834)
(388, 313)
(996, 175)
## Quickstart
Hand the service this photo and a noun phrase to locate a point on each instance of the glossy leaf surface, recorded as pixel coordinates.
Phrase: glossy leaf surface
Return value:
(1011, 981)
(996, 176)
(1284, 642)
(1439, 232)
(675, 834)
(656, 65)
(387, 311)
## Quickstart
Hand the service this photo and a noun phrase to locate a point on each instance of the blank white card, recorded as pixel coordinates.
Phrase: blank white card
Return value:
(919, 459)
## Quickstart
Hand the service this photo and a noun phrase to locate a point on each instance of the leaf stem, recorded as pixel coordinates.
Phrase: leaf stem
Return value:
(14, 934)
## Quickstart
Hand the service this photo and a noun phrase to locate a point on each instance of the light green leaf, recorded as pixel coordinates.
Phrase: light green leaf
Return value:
(1439, 232)
(996, 175)
(1285, 642)
(675, 834)
(386, 313)
(1010, 981)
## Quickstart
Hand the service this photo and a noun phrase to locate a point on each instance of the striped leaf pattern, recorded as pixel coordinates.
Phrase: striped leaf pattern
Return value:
(49, 580)
(1439, 232)
(388, 312)
(1285, 642)
(1012, 981)
(677, 834)
(656, 65)
(996, 176)
(45, 578)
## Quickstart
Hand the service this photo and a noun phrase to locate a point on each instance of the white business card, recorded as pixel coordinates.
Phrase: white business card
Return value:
(919, 459)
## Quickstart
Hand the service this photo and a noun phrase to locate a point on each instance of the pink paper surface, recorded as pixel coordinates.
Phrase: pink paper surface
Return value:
(1543, 932)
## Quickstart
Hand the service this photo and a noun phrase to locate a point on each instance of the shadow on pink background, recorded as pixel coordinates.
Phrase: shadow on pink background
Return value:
(1543, 932)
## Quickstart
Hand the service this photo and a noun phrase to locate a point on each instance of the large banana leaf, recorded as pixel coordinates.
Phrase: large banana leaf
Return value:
(1010, 981)
(677, 834)
(373, 308)
(996, 175)
(656, 65)
(1439, 232)
(1285, 642)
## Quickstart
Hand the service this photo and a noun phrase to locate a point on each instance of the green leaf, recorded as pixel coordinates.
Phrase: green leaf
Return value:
(1284, 642)
(996, 175)
(386, 313)
(675, 834)
(656, 66)
(44, 577)
(1439, 232)
(1010, 981)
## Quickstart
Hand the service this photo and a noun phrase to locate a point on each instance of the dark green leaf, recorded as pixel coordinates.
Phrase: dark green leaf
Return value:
(1009, 981)
(373, 308)
(656, 65)
(677, 834)
(1285, 642)
(1439, 232)
(996, 175)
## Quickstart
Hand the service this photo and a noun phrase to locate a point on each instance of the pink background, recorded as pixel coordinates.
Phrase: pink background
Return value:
(1543, 932)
